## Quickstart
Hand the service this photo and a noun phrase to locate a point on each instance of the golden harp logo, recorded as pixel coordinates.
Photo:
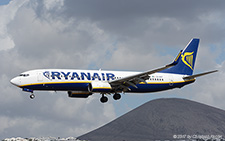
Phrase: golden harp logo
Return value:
(187, 58)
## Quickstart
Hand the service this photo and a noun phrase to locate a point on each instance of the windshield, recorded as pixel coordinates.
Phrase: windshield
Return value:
(24, 75)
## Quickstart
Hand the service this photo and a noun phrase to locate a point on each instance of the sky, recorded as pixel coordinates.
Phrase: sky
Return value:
(4, 2)
(111, 35)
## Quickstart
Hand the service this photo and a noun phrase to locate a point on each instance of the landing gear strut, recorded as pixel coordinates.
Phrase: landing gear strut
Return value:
(32, 96)
(103, 99)
(116, 96)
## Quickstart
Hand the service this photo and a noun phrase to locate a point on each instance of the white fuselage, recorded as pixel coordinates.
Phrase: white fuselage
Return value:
(78, 80)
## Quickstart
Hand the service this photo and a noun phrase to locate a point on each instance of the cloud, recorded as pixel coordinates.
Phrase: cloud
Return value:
(210, 89)
(122, 35)
(49, 43)
(129, 18)
(7, 13)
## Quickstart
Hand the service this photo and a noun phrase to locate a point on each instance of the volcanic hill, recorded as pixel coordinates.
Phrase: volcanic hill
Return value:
(163, 119)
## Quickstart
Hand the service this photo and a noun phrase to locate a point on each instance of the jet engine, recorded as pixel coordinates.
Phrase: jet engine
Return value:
(101, 87)
(79, 94)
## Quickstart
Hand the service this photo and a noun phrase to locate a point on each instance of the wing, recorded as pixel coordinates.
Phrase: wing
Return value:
(133, 80)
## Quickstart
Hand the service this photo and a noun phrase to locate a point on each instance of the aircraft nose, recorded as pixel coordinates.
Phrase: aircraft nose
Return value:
(15, 81)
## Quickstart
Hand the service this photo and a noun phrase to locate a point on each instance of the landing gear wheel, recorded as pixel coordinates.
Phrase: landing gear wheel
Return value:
(116, 96)
(32, 96)
(104, 99)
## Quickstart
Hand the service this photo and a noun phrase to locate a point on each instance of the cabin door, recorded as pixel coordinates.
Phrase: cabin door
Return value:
(171, 80)
(39, 76)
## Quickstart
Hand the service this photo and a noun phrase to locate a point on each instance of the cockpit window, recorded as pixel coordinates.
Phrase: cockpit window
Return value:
(24, 75)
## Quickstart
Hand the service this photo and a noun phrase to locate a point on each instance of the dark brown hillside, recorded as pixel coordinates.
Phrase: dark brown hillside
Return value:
(161, 119)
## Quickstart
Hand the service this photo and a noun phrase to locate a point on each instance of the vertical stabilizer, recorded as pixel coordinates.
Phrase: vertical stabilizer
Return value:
(185, 61)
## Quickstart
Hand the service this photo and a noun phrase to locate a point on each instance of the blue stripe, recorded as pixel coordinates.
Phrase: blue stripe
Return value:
(59, 86)
(158, 87)
(84, 87)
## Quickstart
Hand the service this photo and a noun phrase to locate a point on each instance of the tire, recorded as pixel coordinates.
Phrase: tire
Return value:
(32, 96)
(104, 99)
(116, 96)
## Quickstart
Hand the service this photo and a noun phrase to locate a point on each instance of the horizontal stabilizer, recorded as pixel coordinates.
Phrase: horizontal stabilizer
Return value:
(197, 75)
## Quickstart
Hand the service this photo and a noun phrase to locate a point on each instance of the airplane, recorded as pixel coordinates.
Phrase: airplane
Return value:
(83, 83)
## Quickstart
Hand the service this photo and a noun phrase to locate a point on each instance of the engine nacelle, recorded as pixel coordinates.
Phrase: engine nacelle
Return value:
(98, 86)
(79, 94)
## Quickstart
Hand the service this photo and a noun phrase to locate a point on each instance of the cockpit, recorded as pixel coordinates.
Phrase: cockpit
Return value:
(24, 75)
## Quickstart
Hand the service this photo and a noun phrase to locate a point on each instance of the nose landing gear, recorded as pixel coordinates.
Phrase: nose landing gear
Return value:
(32, 96)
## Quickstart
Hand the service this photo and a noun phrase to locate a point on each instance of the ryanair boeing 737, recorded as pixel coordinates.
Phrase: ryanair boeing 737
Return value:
(83, 83)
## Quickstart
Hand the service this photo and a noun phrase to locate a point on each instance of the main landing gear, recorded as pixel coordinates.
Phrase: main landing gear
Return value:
(116, 96)
(104, 99)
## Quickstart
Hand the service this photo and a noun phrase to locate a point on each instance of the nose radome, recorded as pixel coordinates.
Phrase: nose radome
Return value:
(15, 81)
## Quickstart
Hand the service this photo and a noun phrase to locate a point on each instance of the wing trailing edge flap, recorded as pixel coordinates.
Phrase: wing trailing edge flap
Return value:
(133, 80)
(198, 75)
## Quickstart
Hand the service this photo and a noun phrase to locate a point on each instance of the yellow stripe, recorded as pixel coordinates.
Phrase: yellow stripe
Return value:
(43, 83)
(167, 82)
(178, 56)
(102, 88)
